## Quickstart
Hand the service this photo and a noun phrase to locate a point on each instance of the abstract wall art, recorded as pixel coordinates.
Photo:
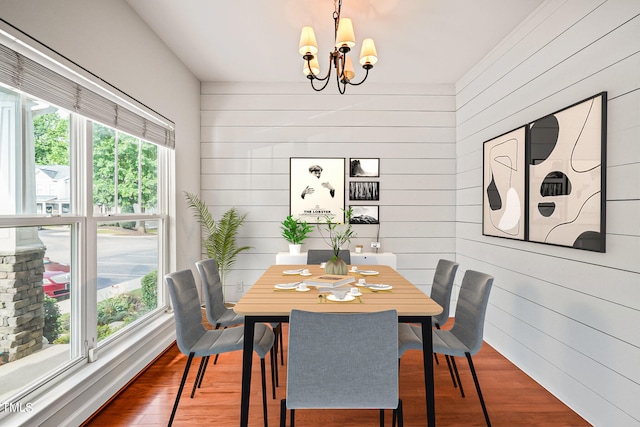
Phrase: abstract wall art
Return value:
(567, 178)
(504, 189)
(545, 182)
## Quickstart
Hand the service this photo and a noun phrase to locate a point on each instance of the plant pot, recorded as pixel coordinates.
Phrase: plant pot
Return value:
(336, 266)
(294, 249)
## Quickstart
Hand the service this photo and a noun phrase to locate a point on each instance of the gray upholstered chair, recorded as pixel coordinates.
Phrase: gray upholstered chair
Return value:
(342, 361)
(441, 289)
(465, 337)
(318, 256)
(218, 314)
(196, 341)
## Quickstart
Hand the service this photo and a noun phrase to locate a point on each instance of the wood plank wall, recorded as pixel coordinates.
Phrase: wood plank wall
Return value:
(567, 317)
(250, 131)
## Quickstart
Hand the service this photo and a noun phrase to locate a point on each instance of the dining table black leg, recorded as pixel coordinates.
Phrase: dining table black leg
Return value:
(247, 359)
(427, 350)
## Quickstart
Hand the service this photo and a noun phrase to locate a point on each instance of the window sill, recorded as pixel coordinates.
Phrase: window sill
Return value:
(77, 394)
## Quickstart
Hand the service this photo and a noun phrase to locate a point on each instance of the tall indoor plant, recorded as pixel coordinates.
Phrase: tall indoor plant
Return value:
(295, 231)
(219, 238)
(338, 235)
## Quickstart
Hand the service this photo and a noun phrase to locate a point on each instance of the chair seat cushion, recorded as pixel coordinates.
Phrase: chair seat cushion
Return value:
(231, 339)
(444, 342)
(230, 318)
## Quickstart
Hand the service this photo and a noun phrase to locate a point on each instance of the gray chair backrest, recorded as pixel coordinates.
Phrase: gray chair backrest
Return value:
(342, 360)
(186, 309)
(471, 309)
(211, 289)
(442, 287)
(317, 256)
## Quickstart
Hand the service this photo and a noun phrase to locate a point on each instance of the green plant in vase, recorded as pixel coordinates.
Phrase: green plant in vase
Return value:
(295, 231)
(337, 235)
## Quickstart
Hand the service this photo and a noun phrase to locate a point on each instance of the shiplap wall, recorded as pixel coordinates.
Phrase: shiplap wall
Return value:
(249, 132)
(568, 318)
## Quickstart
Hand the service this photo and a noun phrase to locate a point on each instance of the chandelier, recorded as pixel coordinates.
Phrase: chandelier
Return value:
(345, 39)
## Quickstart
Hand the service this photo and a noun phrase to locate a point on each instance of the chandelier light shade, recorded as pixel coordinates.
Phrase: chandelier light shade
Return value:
(308, 44)
(339, 58)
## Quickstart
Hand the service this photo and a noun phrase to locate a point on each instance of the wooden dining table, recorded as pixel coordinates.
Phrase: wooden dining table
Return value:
(265, 303)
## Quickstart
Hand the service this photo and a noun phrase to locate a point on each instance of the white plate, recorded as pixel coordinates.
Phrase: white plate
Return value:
(286, 286)
(356, 295)
(380, 287)
(303, 290)
(368, 272)
(292, 272)
(346, 298)
(306, 274)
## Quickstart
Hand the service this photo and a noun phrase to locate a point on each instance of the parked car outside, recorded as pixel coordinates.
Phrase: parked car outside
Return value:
(55, 266)
(56, 283)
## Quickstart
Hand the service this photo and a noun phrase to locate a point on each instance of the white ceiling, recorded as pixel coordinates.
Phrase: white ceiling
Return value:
(418, 41)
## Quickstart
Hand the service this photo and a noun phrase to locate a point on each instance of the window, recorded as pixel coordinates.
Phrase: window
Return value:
(69, 183)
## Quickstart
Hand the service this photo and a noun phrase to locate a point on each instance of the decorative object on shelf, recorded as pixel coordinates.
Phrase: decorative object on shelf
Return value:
(338, 235)
(219, 236)
(339, 59)
(295, 231)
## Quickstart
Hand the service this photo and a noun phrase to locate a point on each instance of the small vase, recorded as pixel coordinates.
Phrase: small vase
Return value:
(336, 266)
(294, 249)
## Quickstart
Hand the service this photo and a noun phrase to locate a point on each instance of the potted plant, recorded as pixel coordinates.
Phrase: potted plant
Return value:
(219, 236)
(295, 231)
(338, 235)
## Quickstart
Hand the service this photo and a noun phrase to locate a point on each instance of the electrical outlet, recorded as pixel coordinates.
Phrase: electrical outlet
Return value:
(375, 245)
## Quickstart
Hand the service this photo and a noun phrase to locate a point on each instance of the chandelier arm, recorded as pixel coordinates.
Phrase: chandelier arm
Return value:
(326, 82)
(342, 87)
(362, 81)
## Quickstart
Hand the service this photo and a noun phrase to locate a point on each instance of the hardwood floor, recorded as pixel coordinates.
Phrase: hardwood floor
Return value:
(512, 398)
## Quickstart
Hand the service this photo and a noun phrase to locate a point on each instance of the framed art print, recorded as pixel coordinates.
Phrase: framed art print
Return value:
(364, 190)
(316, 189)
(567, 178)
(365, 214)
(368, 168)
(504, 190)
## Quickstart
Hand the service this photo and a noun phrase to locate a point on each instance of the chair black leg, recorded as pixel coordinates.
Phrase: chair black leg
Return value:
(199, 375)
(215, 360)
(276, 331)
(184, 379)
(283, 413)
(281, 344)
(399, 414)
(475, 380)
(453, 379)
(292, 423)
(381, 417)
(455, 369)
(274, 366)
(264, 393)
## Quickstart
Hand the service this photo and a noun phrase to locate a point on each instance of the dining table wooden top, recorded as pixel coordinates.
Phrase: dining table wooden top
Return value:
(264, 299)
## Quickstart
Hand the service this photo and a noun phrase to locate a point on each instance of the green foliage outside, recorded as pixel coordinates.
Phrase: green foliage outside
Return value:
(51, 319)
(51, 137)
(150, 290)
(136, 162)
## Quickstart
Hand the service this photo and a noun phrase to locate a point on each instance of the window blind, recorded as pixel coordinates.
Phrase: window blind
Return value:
(31, 77)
